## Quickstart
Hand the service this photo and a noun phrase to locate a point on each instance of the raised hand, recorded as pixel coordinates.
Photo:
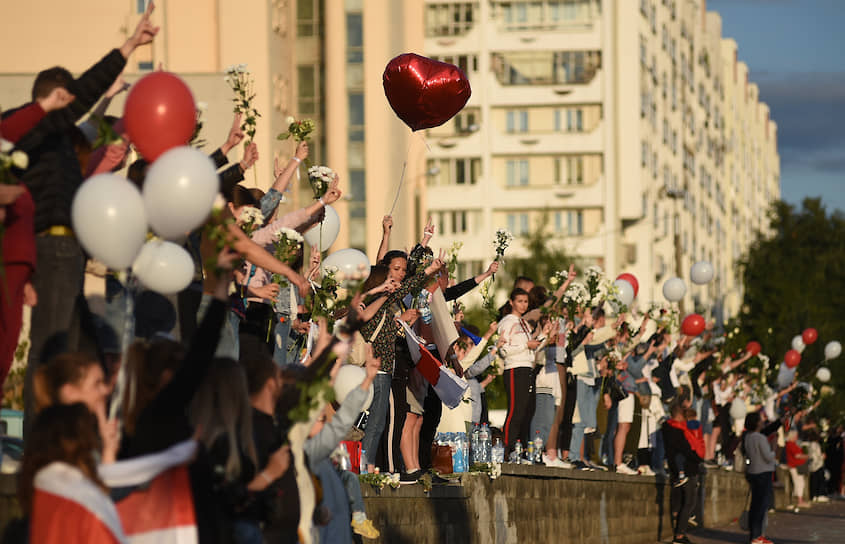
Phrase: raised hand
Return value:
(143, 34)
(334, 192)
(250, 156)
(236, 135)
(118, 86)
(301, 152)
(387, 223)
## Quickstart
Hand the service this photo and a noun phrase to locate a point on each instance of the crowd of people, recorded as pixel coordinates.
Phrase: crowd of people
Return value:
(578, 369)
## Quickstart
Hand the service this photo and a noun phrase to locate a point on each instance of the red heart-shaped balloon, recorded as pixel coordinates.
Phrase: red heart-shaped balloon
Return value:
(423, 92)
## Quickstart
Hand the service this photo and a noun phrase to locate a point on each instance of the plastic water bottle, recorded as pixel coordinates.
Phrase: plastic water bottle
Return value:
(425, 311)
(475, 445)
(498, 452)
(529, 454)
(362, 469)
(538, 447)
(517, 451)
(484, 443)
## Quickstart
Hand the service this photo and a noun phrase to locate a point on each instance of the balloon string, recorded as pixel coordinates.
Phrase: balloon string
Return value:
(126, 341)
(401, 178)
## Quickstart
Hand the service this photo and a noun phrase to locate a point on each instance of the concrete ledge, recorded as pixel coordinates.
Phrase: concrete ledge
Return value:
(549, 505)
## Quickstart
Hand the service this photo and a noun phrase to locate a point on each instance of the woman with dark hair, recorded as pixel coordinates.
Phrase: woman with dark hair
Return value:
(59, 487)
(759, 472)
(518, 350)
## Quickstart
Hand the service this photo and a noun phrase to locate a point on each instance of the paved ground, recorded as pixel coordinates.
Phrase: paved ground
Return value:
(824, 523)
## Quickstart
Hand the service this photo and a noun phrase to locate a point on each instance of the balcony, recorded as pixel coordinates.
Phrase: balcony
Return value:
(549, 143)
(589, 92)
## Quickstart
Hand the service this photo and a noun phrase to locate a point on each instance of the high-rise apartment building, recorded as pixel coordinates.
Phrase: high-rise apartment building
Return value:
(630, 124)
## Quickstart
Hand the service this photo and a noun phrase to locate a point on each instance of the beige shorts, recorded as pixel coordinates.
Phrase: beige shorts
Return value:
(626, 409)
(415, 392)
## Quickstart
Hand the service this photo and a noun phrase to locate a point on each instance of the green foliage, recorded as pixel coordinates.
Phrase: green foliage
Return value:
(795, 279)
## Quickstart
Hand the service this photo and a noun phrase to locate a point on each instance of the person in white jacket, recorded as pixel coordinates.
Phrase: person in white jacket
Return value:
(520, 343)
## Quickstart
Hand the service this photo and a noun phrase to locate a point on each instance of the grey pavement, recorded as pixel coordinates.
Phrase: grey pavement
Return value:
(823, 523)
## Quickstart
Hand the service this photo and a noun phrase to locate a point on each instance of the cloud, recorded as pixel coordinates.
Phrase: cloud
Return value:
(809, 109)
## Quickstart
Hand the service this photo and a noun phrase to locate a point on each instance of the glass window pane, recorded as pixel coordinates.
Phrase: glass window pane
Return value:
(357, 186)
(354, 30)
(356, 109)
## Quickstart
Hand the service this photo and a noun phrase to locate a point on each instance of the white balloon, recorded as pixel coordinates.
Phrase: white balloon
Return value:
(108, 218)
(179, 191)
(330, 228)
(349, 261)
(785, 375)
(674, 289)
(832, 350)
(164, 267)
(738, 409)
(348, 378)
(798, 343)
(823, 374)
(626, 291)
(701, 272)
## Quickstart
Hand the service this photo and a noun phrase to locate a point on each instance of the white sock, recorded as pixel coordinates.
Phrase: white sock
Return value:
(360, 517)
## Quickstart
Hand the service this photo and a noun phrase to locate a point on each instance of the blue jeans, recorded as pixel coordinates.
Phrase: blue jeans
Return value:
(588, 399)
(658, 452)
(353, 490)
(282, 334)
(229, 345)
(378, 416)
(607, 450)
(544, 416)
(247, 532)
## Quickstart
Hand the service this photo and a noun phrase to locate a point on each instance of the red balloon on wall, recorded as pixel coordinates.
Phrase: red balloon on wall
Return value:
(424, 92)
(160, 114)
(753, 347)
(792, 358)
(630, 278)
(693, 325)
(809, 336)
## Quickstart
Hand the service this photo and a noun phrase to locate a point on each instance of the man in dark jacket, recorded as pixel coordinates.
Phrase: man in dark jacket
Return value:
(53, 177)
(684, 452)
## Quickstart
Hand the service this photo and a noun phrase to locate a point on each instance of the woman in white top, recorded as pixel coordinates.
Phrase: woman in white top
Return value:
(518, 352)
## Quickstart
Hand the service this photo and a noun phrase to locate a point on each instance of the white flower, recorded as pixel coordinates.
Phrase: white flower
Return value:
(202, 106)
(290, 234)
(6, 145)
(241, 68)
(252, 216)
(329, 304)
(290, 120)
(553, 281)
(20, 159)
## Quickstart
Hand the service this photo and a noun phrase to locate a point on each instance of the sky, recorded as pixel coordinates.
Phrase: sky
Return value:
(796, 53)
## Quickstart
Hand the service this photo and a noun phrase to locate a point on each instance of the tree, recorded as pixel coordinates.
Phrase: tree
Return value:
(794, 278)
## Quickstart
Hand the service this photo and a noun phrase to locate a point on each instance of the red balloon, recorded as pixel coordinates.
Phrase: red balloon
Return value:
(792, 358)
(160, 114)
(753, 347)
(423, 92)
(693, 325)
(630, 278)
(809, 336)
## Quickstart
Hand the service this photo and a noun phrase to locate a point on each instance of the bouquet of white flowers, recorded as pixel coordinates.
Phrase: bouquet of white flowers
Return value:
(251, 220)
(241, 81)
(575, 298)
(502, 242)
(286, 244)
(320, 177)
(594, 275)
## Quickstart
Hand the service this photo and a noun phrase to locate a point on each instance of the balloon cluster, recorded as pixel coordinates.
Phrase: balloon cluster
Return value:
(111, 217)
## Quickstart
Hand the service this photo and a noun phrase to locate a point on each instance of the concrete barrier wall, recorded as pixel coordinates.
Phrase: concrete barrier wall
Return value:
(530, 504)
(539, 504)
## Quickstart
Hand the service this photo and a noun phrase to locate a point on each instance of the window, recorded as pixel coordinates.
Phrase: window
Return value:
(467, 63)
(574, 120)
(356, 117)
(517, 173)
(354, 37)
(545, 67)
(145, 65)
(518, 223)
(141, 6)
(459, 222)
(645, 153)
(575, 170)
(307, 88)
(665, 131)
(449, 19)
(517, 121)
(467, 120)
(307, 17)
(575, 223)
(454, 171)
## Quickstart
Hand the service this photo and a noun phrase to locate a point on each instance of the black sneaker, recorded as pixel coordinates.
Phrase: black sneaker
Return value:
(410, 477)
(681, 540)
(581, 465)
(681, 482)
(437, 479)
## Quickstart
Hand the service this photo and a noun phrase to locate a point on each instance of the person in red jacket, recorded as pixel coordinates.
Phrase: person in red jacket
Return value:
(795, 458)
(17, 210)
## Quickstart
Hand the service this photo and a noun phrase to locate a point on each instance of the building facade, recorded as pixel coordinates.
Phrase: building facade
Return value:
(630, 125)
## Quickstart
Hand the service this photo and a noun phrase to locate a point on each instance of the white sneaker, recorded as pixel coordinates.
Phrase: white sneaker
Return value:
(549, 462)
(625, 469)
(645, 470)
(822, 498)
